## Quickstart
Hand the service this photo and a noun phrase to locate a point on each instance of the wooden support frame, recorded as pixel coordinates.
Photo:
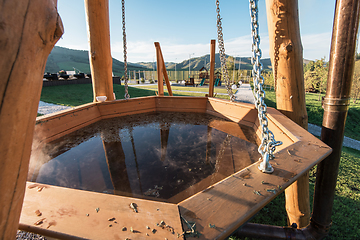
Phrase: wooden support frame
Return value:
(161, 71)
(28, 32)
(97, 13)
(287, 61)
(235, 195)
(212, 68)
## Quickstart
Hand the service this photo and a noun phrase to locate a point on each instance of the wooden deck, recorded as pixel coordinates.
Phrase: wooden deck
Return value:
(216, 211)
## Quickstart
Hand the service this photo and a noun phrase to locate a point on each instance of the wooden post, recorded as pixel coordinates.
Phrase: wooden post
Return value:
(97, 13)
(287, 61)
(212, 68)
(161, 71)
(28, 32)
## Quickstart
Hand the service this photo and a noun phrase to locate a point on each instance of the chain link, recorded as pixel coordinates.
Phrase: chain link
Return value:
(268, 143)
(224, 70)
(127, 96)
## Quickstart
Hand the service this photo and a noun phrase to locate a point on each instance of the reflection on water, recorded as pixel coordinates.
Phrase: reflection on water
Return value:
(159, 156)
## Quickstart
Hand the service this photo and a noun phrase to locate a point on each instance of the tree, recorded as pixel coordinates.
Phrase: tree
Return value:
(355, 88)
(269, 79)
(315, 76)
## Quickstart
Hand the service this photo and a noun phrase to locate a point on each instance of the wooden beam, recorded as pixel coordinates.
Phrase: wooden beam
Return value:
(159, 67)
(161, 62)
(28, 32)
(287, 61)
(97, 13)
(212, 67)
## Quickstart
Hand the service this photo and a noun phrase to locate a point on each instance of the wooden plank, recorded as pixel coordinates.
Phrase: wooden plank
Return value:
(287, 62)
(212, 67)
(65, 211)
(179, 104)
(28, 32)
(53, 126)
(97, 17)
(126, 107)
(228, 127)
(232, 110)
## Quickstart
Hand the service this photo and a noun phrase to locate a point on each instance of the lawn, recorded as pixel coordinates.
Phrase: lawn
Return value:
(315, 113)
(346, 210)
(75, 95)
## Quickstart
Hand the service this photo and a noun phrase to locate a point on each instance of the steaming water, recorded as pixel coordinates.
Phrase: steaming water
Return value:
(160, 156)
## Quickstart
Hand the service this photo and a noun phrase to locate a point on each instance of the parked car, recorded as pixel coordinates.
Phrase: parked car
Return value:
(51, 76)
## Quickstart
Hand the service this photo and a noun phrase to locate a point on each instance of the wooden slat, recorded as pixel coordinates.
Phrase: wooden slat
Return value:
(65, 211)
(56, 125)
(232, 110)
(126, 107)
(181, 104)
(229, 128)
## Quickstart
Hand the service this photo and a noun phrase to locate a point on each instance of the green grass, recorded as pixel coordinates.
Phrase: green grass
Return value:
(78, 94)
(315, 113)
(176, 88)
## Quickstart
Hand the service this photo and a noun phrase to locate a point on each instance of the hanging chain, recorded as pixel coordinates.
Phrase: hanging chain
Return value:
(224, 70)
(127, 96)
(268, 143)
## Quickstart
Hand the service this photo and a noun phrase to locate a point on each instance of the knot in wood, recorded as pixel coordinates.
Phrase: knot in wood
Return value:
(289, 47)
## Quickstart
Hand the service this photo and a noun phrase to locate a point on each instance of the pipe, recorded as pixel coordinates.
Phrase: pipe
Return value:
(262, 231)
(336, 103)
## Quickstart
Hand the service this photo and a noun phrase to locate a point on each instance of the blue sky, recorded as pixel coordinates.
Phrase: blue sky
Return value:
(186, 27)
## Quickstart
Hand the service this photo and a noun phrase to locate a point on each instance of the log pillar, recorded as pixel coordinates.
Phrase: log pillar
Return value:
(212, 67)
(97, 16)
(287, 61)
(29, 30)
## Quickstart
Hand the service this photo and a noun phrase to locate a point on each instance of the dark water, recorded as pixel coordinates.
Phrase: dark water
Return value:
(159, 156)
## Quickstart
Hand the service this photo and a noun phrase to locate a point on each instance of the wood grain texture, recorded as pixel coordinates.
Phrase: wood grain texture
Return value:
(97, 16)
(287, 61)
(65, 212)
(212, 67)
(159, 69)
(126, 107)
(28, 32)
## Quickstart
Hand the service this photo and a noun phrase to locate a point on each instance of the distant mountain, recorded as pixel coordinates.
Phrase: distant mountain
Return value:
(204, 61)
(67, 59)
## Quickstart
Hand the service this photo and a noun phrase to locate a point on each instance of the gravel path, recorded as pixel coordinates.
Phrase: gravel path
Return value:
(47, 108)
(243, 94)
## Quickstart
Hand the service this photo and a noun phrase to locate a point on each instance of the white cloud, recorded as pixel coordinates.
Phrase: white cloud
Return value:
(144, 51)
(316, 46)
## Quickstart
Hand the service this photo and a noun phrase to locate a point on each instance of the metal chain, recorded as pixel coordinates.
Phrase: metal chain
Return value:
(268, 143)
(127, 96)
(224, 70)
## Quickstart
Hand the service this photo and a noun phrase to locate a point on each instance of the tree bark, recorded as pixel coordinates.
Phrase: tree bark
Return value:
(287, 61)
(97, 13)
(29, 30)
